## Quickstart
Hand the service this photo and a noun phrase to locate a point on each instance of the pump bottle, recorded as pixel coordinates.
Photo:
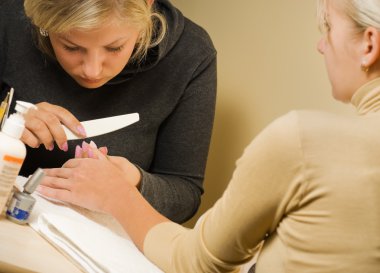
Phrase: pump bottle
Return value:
(12, 151)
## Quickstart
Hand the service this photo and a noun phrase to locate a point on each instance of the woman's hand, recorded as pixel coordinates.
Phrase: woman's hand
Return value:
(90, 183)
(101, 185)
(44, 126)
(90, 150)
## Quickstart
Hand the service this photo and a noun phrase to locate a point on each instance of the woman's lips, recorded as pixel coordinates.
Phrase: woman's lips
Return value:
(91, 80)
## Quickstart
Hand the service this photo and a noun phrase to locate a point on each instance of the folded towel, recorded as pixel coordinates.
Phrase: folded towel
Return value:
(96, 242)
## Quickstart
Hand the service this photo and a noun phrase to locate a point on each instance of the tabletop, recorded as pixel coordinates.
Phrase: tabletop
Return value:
(23, 250)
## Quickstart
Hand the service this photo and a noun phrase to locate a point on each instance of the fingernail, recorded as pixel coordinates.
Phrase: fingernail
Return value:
(65, 147)
(104, 150)
(85, 146)
(90, 153)
(50, 148)
(78, 151)
(93, 145)
(81, 130)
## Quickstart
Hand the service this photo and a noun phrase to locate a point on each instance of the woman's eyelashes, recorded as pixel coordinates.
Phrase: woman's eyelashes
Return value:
(76, 48)
(114, 49)
(71, 48)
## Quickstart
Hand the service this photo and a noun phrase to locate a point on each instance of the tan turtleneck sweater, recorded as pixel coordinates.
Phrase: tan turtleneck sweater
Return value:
(309, 185)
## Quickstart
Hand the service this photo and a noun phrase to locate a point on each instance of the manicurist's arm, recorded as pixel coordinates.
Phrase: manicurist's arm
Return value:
(174, 182)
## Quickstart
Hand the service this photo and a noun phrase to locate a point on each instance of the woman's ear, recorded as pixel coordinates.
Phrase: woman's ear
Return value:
(371, 52)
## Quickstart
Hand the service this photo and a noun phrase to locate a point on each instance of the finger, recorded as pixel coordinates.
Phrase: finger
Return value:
(93, 145)
(85, 149)
(40, 130)
(90, 150)
(103, 150)
(65, 116)
(97, 154)
(56, 183)
(47, 126)
(58, 194)
(78, 152)
(58, 172)
(92, 153)
(30, 139)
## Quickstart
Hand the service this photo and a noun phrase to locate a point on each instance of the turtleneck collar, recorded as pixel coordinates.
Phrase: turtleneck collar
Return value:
(367, 98)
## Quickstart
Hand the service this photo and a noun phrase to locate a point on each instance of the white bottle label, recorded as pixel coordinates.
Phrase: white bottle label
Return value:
(9, 168)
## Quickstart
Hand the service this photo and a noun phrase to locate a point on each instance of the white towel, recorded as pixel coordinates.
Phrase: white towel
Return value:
(96, 242)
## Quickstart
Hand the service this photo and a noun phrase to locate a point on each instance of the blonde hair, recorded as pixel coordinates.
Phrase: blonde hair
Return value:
(61, 16)
(363, 13)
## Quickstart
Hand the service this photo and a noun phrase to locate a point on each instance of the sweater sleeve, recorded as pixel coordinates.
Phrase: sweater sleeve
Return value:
(173, 184)
(264, 187)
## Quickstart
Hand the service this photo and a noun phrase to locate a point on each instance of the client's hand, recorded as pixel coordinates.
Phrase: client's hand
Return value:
(92, 183)
(90, 150)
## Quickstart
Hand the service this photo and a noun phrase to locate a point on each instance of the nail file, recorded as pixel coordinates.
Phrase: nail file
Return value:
(103, 126)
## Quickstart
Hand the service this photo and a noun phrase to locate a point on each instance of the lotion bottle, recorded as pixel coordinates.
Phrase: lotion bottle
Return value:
(12, 152)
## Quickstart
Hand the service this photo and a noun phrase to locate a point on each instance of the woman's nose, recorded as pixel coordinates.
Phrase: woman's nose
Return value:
(92, 66)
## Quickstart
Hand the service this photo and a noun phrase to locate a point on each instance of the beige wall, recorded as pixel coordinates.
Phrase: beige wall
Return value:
(267, 65)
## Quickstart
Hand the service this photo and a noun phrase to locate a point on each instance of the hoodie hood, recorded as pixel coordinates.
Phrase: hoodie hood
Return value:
(175, 25)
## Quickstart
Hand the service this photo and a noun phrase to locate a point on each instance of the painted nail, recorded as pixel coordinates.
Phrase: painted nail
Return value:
(65, 147)
(81, 130)
(93, 145)
(51, 147)
(103, 150)
(78, 151)
(85, 146)
(90, 153)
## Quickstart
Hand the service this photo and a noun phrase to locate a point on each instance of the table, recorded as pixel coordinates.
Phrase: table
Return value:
(23, 250)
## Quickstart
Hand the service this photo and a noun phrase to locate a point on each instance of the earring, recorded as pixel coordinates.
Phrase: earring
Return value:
(44, 32)
(364, 66)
